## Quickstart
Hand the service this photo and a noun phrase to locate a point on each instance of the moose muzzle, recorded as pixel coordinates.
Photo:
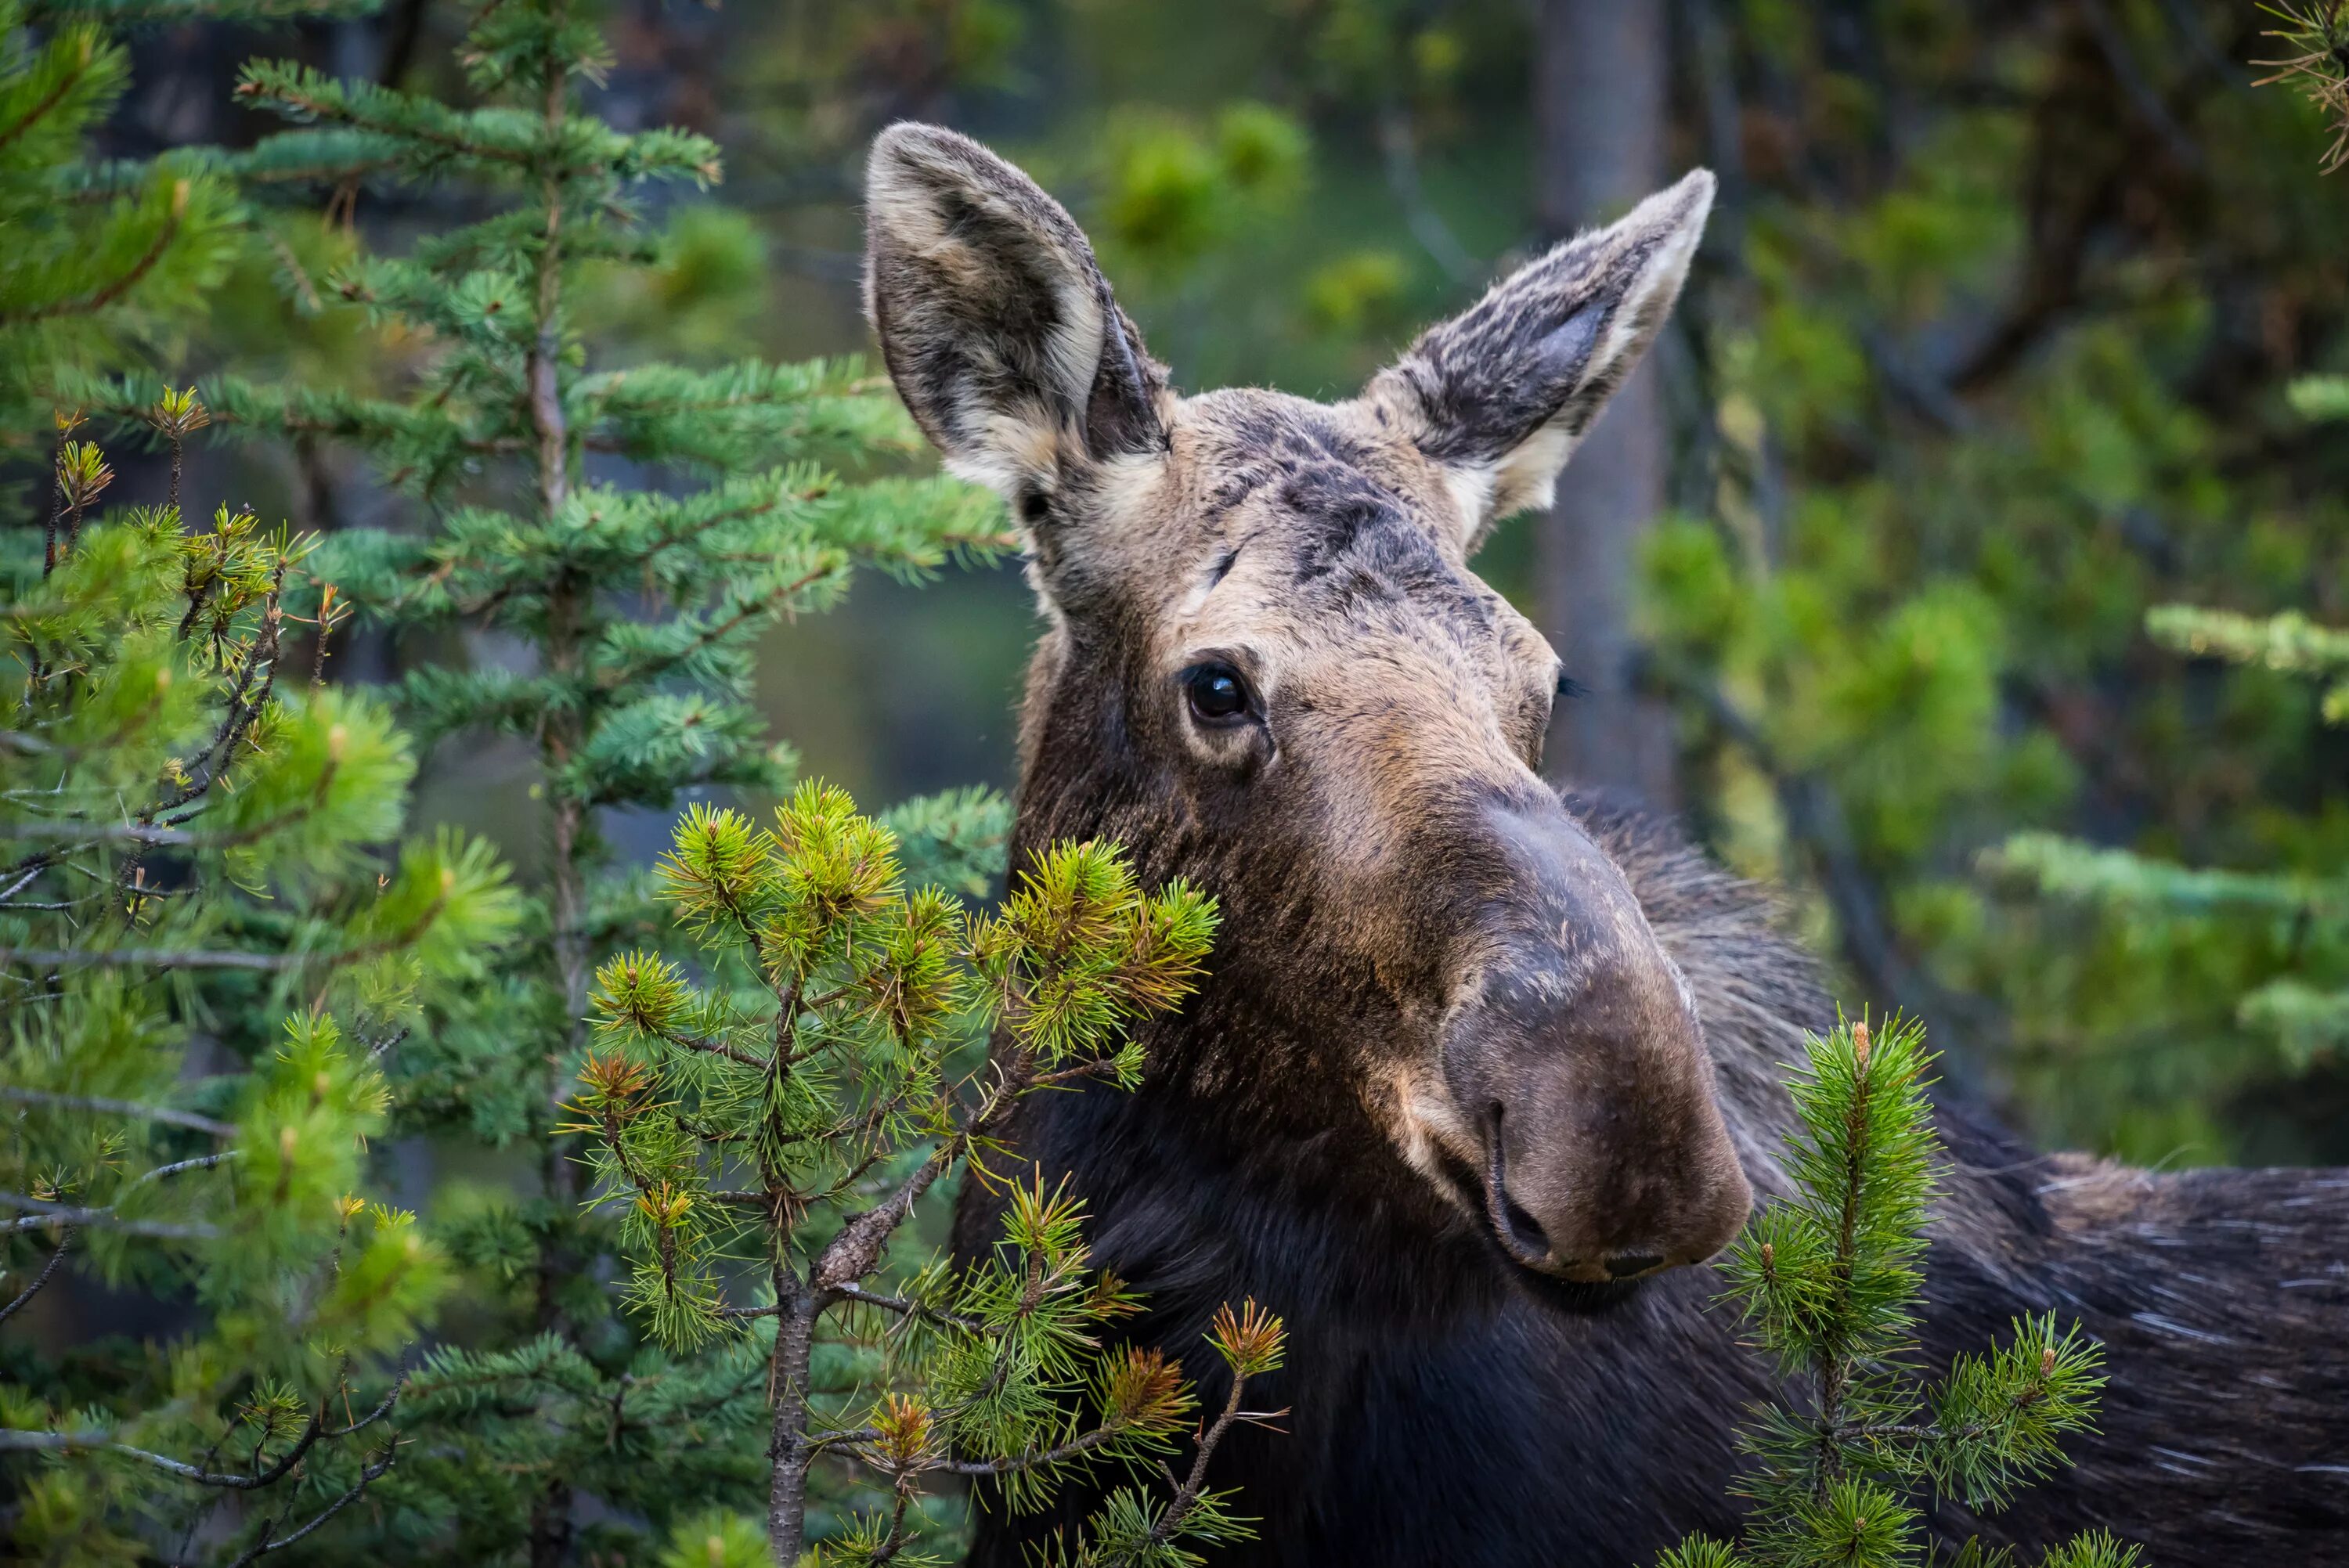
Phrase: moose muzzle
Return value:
(1577, 1055)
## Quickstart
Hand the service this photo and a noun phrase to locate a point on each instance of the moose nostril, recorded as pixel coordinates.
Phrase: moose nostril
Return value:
(1623, 1266)
(1524, 1235)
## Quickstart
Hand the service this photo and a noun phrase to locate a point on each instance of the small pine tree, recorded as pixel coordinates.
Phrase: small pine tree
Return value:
(774, 1125)
(190, 844)
(637, 599)
(1829, 1281)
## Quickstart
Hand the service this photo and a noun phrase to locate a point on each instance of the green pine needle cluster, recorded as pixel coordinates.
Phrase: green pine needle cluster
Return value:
(764, 1119)
(89, 275)
(2316, 39)
(1829, 1281)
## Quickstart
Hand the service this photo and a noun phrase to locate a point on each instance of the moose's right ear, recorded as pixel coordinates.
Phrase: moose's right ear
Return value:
(1500, 394)
(998, 327)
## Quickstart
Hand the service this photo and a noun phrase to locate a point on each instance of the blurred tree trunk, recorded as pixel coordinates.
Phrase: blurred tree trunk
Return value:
(1599, 79)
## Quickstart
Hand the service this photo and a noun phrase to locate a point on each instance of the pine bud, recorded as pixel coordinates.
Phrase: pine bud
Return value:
(338, 738)
(286, 1139)
(2047, 1362)
(1859, 1044)
(1769, 1260)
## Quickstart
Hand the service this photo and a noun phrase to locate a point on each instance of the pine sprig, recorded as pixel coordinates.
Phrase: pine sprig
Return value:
(1828, 1280)
(2315, 38)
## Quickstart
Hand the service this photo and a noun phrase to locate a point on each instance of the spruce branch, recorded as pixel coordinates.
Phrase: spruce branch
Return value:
(111, 293)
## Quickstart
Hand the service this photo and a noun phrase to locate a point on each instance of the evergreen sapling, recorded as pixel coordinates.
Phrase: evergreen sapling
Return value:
(771, 1125)
(1829, 1281)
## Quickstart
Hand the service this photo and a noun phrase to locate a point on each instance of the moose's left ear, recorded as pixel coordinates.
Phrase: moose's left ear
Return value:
(998, 328)
(1499, 395)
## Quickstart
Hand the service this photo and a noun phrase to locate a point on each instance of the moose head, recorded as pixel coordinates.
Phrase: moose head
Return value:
(1268, 667)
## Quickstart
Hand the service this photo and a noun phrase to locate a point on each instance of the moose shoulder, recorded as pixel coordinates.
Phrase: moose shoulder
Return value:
(1479, 1070)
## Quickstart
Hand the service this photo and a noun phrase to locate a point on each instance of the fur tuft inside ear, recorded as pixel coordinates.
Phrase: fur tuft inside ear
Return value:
(995, 322)
(1499, 395)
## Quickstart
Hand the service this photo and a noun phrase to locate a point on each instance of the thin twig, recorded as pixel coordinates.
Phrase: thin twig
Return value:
(33, 1289)
(368, 1475)
(904, 1306)
(45, 1213)
(130, 1108)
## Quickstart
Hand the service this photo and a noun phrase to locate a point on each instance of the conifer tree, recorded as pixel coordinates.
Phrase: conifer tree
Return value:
(190, 849)
(773, 1126)
(1829, 1281)
(101, 256)
(198, 873)
(633, 526)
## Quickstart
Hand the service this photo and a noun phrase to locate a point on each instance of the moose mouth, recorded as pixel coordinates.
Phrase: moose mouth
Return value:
(1484, 1196)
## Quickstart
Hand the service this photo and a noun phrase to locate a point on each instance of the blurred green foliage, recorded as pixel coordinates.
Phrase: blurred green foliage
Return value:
(1996, 368)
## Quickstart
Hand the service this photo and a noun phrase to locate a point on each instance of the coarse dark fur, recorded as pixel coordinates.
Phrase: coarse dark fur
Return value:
(1468, 1055)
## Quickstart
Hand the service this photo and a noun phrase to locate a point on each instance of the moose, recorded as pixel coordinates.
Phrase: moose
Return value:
(1482, 1069)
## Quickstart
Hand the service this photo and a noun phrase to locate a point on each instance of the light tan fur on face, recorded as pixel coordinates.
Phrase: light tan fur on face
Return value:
(1417, 1113)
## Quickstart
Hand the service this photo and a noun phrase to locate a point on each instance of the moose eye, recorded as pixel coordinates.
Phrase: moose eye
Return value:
(1218, 693)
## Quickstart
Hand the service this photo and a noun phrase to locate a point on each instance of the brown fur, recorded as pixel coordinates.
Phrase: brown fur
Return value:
(1470, 1055)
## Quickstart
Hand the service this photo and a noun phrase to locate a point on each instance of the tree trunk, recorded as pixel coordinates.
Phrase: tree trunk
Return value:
(1599, 103)
(787, 1448)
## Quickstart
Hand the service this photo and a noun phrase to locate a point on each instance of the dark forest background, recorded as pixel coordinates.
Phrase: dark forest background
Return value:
(1987, 355)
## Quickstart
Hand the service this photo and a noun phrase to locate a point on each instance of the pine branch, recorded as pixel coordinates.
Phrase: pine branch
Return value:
(56, 1256)
(313, 1431)
(269, 1542)
(167, 1115)
(905, 1307)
